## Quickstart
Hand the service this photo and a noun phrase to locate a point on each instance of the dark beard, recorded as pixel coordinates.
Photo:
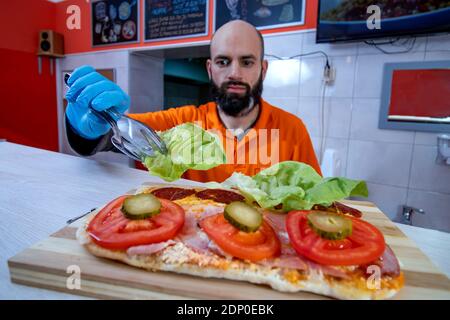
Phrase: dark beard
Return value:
(232, 104)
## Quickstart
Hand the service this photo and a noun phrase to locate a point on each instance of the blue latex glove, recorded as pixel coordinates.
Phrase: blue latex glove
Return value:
(89, 89)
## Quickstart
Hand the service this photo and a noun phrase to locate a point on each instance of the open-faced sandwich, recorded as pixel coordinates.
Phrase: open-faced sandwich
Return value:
(240, 232)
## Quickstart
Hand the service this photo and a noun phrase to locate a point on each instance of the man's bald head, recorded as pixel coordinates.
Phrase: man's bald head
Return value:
(237, 67)
(234, 29)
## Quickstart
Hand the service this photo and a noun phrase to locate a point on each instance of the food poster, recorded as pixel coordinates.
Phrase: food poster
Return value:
(114, 21)
(263, 14)
(174, 19)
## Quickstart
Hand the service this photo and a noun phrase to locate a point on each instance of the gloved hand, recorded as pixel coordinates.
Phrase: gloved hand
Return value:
(89, 89)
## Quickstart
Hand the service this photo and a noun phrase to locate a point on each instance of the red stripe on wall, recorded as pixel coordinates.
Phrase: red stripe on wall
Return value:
(28, 112)
(78, 41)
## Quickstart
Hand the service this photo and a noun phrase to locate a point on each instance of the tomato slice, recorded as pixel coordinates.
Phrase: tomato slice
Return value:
(365, 244)
(111, 229)
(251, 246)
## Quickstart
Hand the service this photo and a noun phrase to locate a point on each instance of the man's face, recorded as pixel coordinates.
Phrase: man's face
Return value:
(236, 70)
(233, 103)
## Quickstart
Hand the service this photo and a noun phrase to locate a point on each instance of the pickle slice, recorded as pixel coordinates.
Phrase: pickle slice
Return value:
(330, 225)
(243, 216)
(141, 206)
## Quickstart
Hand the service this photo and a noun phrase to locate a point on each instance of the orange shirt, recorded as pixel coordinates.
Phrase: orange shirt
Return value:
(276, 136)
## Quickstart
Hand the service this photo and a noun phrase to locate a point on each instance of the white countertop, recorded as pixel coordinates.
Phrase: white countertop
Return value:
(40, 190)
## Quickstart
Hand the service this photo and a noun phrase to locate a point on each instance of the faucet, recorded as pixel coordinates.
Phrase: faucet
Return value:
(407, 213)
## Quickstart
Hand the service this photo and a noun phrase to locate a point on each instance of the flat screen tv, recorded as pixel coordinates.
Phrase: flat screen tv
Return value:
(346, 20)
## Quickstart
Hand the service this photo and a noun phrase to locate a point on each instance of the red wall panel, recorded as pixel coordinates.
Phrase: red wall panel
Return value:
(420, 93)
(28, 110)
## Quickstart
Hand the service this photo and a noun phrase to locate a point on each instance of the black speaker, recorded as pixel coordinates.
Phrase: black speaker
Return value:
(50, 44)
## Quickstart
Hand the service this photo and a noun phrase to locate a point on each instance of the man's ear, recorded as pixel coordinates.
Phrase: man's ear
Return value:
(265, 66)
(208, 68)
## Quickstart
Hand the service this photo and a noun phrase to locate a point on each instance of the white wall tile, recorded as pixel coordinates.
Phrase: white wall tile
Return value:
(426, 174)
(288, 104)
(345, 77)
(379, 162)
(337, 117)
(331, 49)
(438, 42)
(426, 138)
(337, 112)
(369, 72)
(316, 145)
(308, 111)
(364, 125)
(437, 55)
(436, 206)
(311, 78)
(388, 199)
(284, 46)
(419, 46)
(282, 78)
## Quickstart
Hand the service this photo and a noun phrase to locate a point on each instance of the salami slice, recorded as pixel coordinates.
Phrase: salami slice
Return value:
(388, 263)
(342, 208)
(171, 193)
(219, 195)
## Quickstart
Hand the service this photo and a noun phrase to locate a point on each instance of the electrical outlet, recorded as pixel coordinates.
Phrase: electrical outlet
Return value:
(329, 74)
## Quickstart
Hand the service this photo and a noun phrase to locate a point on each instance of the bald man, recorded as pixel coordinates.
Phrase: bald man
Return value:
(255, 134)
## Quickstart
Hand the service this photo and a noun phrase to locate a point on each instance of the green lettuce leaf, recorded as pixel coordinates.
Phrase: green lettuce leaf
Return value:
(294, 185)
(189, 147)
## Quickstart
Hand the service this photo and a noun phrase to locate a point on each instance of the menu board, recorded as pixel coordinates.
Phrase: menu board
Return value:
(263, 14)
(114, 22)
(171, 19)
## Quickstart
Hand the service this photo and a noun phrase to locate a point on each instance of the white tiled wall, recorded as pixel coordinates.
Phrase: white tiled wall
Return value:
(399, 166)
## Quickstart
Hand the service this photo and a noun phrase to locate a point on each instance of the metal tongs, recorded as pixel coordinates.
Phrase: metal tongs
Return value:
(131, 137)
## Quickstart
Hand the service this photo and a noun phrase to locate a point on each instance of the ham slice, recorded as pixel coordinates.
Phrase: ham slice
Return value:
(327, 270)
(149, 249)
(276, 220)
(197, 243)
(293, 261)
(285, 261)
(194, 238)
(189, 228)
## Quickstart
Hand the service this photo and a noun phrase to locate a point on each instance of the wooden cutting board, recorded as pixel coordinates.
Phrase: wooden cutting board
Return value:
(45, 265)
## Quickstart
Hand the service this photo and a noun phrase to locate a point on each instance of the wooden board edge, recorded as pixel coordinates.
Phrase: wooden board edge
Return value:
(88, 288)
